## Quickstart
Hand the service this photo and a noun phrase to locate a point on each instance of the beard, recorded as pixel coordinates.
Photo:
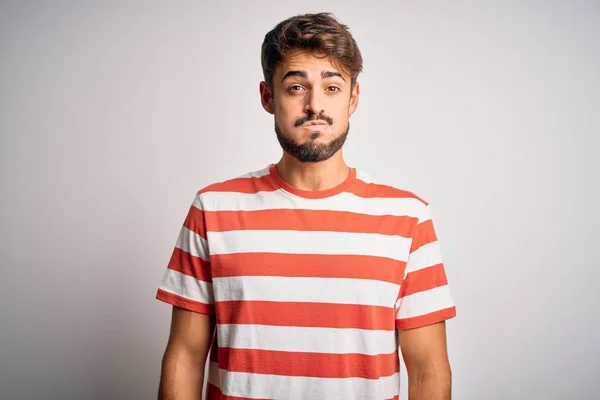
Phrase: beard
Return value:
(310, 151)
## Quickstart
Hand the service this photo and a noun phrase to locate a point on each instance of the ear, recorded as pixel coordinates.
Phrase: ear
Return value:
(266, 97)
(354, 98)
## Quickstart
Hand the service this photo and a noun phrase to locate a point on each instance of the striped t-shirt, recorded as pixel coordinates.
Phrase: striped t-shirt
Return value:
(308, 287)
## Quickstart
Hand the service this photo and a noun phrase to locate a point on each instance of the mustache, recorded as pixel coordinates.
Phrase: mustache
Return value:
(305, 119)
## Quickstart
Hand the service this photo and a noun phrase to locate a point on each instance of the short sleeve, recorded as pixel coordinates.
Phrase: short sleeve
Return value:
(424, 296)
(187, 281)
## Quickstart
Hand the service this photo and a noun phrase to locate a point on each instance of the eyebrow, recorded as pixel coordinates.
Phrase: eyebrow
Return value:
(300, 74)
(303, 74)
(331, 74)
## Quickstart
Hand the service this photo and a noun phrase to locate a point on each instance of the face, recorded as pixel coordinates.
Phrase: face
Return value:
(311, 100)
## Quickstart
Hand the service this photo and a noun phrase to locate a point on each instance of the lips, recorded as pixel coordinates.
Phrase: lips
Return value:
(309, 120)
(314, 124)
(314, 127)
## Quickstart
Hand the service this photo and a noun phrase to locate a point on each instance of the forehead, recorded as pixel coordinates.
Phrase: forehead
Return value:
(303, 60)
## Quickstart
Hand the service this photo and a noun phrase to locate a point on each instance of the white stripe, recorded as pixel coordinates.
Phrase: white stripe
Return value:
(424, 214)
(198, 202)
(309, 242)
(264, 386)
(187, 286)
(425, 256)
(256, 174)
(234, 201)
(313, 290)
(368, 179)
(191, 242)
(304, 339)
(425, 302)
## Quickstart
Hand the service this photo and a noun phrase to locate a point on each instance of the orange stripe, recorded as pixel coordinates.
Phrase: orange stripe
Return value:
(190, 265)
(427, 319)
(322, 365)
(194, 221)
(323, 315)
(308, 265)
(243, 185)
(372, 190)
(182, 302)
(424, 279)
(309, 220)
(425, 233)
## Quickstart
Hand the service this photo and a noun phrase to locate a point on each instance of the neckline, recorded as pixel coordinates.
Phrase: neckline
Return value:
(312, 194)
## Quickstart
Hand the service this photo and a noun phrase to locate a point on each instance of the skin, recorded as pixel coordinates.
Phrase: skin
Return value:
(305, 88)
(425, 354)
(182, 369)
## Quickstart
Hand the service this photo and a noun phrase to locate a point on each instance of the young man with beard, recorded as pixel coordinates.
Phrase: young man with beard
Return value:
(304, 277)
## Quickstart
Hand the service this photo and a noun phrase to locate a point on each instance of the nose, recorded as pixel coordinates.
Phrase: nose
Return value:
(314, 103)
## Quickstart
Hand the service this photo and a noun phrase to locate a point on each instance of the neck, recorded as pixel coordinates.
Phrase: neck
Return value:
(313, 176)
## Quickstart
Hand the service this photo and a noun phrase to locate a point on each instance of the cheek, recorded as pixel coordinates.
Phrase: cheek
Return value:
(340, 116)
(286, 114)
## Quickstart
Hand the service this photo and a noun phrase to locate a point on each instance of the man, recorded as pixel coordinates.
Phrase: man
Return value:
(307, 274)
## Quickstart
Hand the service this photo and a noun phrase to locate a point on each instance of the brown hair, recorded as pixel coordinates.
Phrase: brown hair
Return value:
(320, 33)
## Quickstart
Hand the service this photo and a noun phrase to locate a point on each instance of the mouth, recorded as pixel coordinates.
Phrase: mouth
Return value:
(315, 125)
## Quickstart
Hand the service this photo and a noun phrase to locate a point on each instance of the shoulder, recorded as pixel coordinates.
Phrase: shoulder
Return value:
(374, 187)
(396, 195)
(248, 183)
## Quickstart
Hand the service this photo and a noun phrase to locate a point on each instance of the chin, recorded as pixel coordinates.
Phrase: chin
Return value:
(318, 132)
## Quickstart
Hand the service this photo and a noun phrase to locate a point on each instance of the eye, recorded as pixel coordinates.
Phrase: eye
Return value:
(333, 89)
(295, 88)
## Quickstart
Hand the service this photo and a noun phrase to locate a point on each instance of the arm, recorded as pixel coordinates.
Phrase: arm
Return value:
(425, 354)
(182, 373)
(424, 304)
(187, 286)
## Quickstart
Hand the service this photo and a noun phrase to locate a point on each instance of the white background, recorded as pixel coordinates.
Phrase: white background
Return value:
(113, 114)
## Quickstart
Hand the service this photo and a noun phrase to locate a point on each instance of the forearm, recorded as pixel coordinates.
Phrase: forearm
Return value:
(181, 377)
(430, 386)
